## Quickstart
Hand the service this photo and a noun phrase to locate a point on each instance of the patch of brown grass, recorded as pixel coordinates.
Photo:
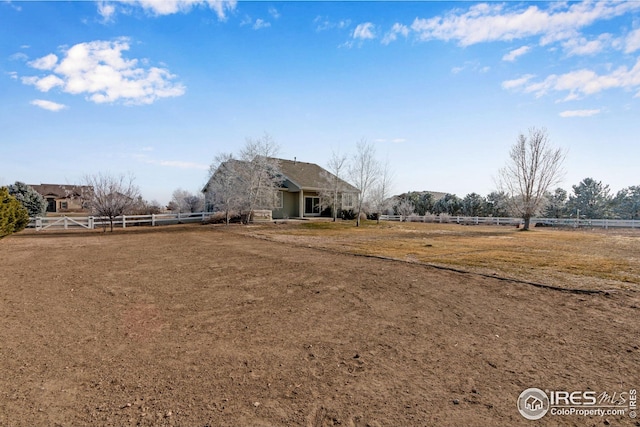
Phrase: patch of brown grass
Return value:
(569, 258)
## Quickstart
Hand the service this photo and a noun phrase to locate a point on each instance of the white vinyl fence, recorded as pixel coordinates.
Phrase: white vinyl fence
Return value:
(546, 222)
(124, 221)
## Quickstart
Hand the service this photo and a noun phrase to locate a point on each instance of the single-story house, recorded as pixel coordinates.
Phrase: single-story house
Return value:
(64, 198)
(300, 192)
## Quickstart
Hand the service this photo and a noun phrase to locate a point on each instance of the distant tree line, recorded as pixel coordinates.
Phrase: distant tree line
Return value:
(590, 199)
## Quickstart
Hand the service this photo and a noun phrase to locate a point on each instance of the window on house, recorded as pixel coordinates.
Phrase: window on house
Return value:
(51, 205)
(347, 200)
(64, 205)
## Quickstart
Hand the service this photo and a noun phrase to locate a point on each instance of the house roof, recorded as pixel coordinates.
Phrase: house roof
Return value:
(309, 176)
(61, 191)
(304, 176)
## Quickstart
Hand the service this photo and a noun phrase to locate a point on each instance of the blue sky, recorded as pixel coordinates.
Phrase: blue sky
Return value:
(442, 89)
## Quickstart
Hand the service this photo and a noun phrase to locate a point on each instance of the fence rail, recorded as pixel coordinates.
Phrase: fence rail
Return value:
(124, 221)
(546, 222)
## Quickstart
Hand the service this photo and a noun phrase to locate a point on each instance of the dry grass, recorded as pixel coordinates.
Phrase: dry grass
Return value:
(581, 259)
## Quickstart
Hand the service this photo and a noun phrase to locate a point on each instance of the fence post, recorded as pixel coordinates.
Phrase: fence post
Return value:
(153, 220)
(202, 216)
(124, 221)
(90, 223)
(65, 223)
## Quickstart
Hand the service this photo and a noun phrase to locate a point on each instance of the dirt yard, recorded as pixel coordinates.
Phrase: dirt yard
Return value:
(203, 326)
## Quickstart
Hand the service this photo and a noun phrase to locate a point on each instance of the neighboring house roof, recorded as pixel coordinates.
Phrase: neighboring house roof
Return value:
(309, 176)
(437, 195)
(61, 191)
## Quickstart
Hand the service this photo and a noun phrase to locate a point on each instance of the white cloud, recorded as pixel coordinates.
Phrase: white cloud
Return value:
(106, 10)
(274, 12)
(392, 35)
(515, 83)
(632, 42)
(364, 31)
(579, 113)
(19, 56)
(258, 24)
(44, 84)
(496, 22)
(515, 53)
(99, 70)
(580, 83)
(48, 105)
(323, 24)
(471, 66)
(167, 7)
(582, 46)
(44, 63)
(13, 5)
(261, 23)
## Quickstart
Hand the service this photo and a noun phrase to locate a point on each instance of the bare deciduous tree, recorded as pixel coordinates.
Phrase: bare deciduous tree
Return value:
(186, 201)
(259, 175)
(110, 196)
(331, 196)
(380, 195)
(533, 167)
(248, 183)
(405, 208)
(223, 186)
(364, 171)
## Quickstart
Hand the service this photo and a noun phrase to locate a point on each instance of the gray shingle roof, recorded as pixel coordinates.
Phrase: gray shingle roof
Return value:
(308, 175)
(61, 191)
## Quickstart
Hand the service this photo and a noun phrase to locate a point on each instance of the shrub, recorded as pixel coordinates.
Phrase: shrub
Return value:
(13, 216)
(444, 217)
(348, 214)
(428, 217)
(221, 218)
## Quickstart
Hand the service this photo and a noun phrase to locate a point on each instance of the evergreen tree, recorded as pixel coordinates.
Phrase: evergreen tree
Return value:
(591, 198)
(497, 204)
(556, 204)
(13, 216)
(473, 204)
(33, 202)
(626, 204)
(449, 204)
